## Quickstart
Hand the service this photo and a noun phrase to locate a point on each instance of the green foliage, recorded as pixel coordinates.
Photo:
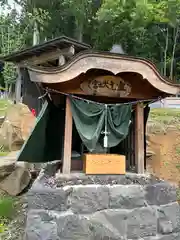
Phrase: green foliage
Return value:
(178, 165)
(178, 194)
(6, 207)
(3, 227)
(11, 39)
(145, 28)
(178, 151)
(165, 116)
(15, 30)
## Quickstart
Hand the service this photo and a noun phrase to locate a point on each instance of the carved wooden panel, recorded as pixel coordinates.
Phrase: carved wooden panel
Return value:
(112, 86)
(124, 86)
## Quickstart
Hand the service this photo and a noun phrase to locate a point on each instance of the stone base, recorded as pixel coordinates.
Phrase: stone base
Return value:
(79, 207)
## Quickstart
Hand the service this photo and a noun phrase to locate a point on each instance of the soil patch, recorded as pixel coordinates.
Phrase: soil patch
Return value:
(163, 140)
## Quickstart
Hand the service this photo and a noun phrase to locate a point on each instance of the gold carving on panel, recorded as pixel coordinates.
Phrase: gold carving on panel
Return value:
(106, 86)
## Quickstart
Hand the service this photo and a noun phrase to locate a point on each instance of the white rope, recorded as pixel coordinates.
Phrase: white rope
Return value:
(48, 90)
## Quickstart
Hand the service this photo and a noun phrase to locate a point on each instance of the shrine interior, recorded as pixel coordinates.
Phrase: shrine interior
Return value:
(125, 147)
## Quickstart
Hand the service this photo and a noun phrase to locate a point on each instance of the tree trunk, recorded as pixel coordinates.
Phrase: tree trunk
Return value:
(35, 34)
(79, 31)
(166, 49)
(173, 53)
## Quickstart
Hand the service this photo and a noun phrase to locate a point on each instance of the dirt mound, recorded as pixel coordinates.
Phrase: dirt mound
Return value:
(163, 144)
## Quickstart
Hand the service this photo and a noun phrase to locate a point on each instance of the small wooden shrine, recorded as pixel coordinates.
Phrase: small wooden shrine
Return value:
(62, 69)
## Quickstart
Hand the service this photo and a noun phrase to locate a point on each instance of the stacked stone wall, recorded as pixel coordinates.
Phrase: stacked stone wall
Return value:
(79, 207)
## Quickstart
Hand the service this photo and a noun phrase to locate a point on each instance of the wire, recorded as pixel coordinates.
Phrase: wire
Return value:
(150, 101)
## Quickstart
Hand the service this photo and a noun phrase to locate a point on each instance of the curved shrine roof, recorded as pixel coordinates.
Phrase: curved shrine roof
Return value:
(115, 63)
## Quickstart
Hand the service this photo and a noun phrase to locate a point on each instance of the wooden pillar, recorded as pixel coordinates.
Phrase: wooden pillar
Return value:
(139, 138)
(18, 86)
(67, 138)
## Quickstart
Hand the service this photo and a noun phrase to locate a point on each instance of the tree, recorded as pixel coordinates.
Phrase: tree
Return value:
(11, 39)
(145, 28)
(15, 30)
(148, 29)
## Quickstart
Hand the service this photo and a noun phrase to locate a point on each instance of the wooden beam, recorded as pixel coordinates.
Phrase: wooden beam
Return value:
(67, 138)
(139, 138)
(18, 85)
(49, 56)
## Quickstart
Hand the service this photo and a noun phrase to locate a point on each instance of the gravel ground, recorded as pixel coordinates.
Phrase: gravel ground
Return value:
(15, 227)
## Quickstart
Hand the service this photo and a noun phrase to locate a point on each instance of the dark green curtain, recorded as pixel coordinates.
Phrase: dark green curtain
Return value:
(45, 143)
(90, 121)
(33, 148)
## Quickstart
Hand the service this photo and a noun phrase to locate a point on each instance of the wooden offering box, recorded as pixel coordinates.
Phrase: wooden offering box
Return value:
(104, 164)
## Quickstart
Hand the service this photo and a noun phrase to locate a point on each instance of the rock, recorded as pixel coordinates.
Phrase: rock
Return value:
(1, 120)
(149, 153)
(99, 231)
(102, 208)
(165, 226)
(77, 227)
(174, 236)
(47, 198)
(51, 225)
(41, 226)
(7, 166)
(128, 197)
(160, 193)
(141, 223)
(114, 220)
(74, 227)
(169, 218)
(16, 127)
(88, 199)
(16, 181)
(128, 179)
(149, 150)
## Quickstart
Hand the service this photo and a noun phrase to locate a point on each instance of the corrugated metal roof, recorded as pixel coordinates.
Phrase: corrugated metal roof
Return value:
(60, 42)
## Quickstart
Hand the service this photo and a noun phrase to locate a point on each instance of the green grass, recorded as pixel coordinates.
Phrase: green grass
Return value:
(165, 116)
(3, 154)
(178, 166)
(7, 211)
(161, 119)
(4, 104)
(6, 207)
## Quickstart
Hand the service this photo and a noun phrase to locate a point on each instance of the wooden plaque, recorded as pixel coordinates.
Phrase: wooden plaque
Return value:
(104, 164)
(111, 86)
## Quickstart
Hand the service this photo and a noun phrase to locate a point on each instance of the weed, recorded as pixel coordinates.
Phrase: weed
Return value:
(166, 164)
(6, 212)
(162, 119)
(178, 194)
(178, 166)
(6, 207)
(3, 227)
(178, 150)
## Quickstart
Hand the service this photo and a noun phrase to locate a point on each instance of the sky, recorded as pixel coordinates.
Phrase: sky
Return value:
(12, 4)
